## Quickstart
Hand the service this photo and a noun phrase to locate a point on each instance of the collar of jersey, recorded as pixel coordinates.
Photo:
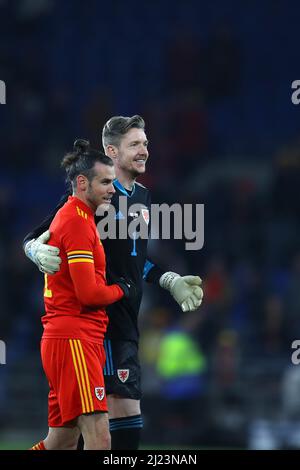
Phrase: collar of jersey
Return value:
(81, 204)
(122, 189)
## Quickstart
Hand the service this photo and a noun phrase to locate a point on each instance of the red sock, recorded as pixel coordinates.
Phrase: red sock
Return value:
(39, 446)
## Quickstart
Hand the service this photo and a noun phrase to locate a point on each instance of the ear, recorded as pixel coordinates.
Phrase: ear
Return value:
(82, 182)
(111, 151)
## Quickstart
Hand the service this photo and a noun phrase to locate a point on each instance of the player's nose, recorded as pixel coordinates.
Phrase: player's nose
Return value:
(143, 151)
(111, 189)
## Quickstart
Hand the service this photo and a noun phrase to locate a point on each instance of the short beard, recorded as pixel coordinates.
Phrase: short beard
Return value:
(135, 174)
(90, 198)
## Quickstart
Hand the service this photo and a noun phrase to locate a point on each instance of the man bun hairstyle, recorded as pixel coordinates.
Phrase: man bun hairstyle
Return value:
(81, 145)
(117, 126)
(81, 161)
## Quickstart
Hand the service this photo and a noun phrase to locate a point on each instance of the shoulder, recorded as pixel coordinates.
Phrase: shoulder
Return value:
(142, 190)
(140, 185)
(75, 219)
(143, 194)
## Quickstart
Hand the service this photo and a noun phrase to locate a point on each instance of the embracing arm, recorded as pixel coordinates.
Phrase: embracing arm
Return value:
(45, 224)
(35, 243)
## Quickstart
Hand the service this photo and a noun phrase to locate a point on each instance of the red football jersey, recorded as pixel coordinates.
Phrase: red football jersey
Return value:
(76, 296)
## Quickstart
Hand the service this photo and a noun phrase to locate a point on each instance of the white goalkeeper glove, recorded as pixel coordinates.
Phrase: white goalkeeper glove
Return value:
(186, 290)
(44, 256)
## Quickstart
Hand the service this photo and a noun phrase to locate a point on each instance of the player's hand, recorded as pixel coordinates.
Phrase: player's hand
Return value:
(186, 290)
(128, 287)
(46, 257)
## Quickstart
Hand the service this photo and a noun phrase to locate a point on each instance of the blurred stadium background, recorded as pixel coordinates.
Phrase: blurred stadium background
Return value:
(213, 82)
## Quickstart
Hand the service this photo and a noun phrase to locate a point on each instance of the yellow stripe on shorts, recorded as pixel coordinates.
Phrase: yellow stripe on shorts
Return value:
(82, 376)
(74, 357)
(86, 375)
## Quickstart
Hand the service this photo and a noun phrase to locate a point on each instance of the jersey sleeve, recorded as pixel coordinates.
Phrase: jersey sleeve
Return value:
(78, 240)
(152, 272)
(45, 224)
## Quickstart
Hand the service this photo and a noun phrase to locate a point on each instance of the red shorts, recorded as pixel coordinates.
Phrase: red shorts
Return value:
(74, 369)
